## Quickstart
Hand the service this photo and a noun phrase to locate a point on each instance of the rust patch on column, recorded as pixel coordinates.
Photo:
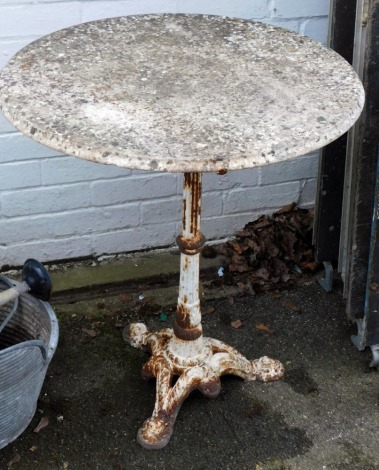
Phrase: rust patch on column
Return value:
(184, 213)
(187, 334)
(192, 182)
(182, 316)
(190, 246)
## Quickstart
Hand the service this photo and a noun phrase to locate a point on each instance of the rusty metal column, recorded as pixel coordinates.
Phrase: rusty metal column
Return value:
(187, 341)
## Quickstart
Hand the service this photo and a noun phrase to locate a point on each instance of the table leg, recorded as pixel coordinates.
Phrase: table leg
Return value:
(183, 353)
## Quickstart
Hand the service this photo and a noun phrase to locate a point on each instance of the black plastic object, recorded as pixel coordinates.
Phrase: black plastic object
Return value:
(37, 278)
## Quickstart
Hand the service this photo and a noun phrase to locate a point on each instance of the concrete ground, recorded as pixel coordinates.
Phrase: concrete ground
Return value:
(322, 415)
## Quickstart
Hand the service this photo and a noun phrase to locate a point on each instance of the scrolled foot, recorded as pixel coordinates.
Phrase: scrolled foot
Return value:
(137, 333)
(266, 369)
(210, 389)
(155, 433)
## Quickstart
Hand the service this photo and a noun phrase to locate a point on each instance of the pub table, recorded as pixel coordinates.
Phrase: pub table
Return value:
(191, 94)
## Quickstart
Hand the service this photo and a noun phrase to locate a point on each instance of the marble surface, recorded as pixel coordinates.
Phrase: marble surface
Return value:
(180, 93)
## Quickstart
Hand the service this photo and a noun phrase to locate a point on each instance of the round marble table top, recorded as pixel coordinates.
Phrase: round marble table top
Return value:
(180, 93)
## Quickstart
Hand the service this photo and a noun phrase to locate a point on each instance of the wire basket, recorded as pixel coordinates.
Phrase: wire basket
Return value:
(27, 345)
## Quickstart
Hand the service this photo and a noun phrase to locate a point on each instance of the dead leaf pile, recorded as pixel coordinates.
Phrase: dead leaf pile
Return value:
(272, 250)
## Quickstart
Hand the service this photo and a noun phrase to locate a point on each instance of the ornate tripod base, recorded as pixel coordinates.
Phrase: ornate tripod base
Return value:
(183, 352)
(200, 372)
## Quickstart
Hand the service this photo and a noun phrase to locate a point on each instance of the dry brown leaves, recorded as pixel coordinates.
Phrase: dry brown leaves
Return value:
(291, 306)
(208, 310)
(271, 251)
(264, 328)
(89, 332)
(236, 324)
(14, 460)
(44, 422)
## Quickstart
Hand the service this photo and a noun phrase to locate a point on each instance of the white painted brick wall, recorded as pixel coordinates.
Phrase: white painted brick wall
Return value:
(56, 207)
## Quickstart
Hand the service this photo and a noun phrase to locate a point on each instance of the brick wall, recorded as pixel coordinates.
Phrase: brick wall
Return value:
(55, 207)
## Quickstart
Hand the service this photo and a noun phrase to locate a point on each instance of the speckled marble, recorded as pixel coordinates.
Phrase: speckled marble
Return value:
(180, 93)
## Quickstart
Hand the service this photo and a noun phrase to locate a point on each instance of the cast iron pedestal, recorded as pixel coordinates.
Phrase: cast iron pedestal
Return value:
(183, 352)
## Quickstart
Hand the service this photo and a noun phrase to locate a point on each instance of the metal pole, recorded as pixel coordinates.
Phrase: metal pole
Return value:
(188, 338)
